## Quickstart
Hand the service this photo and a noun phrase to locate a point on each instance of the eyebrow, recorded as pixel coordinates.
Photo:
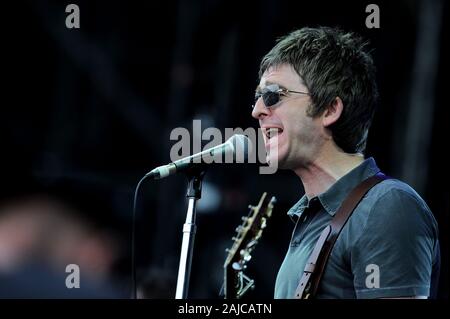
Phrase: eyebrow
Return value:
(258, 88)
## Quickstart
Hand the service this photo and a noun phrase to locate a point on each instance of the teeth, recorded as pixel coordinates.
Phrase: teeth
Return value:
(272, 132)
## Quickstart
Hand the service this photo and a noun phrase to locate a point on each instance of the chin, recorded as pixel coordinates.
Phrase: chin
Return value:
(276, 160)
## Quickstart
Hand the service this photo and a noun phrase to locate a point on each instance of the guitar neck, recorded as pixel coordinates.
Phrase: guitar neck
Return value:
(236, 283)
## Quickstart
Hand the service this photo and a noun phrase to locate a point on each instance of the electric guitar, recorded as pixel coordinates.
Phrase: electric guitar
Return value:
(236, 283)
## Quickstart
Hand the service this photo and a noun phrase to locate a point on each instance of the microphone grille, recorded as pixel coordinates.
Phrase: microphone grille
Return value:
(242, 146)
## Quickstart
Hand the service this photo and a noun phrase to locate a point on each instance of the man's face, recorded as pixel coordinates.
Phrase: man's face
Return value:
(292, 138)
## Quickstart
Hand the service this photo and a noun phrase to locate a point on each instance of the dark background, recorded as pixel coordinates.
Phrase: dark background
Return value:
(86, 112)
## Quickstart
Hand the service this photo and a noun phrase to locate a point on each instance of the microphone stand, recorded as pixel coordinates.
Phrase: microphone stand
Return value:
(194, 193)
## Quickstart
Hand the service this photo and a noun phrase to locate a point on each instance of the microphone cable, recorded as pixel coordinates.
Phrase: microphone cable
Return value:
(133, 240)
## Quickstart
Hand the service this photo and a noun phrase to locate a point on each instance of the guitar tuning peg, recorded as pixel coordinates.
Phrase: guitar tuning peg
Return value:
(227, 250)
(263, 223)
(244, 218)
(234, 238)
(238, 229)
(250, 207)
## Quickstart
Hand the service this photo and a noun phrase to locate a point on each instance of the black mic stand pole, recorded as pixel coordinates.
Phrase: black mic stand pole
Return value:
(194, 193)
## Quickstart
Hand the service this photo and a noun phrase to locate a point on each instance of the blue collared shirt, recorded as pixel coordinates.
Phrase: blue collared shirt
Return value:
(388, 248)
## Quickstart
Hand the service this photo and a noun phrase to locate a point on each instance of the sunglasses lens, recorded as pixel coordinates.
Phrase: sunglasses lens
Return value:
(271, 98)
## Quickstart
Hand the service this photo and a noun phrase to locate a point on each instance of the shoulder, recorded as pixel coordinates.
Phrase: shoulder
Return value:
(393, 205)
(394, 188)
(390, 209)
(395, 197)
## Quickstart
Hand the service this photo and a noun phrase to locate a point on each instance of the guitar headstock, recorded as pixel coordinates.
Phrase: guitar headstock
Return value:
(247, 236)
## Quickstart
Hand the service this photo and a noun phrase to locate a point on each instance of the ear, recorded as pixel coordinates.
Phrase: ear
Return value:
(333, 112)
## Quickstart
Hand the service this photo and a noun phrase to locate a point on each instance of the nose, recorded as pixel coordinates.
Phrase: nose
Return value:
(260, 110)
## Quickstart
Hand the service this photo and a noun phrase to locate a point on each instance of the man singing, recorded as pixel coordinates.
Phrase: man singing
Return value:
(315, 102)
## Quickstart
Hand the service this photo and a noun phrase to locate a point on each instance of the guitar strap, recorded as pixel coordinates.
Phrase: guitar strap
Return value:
(312, 274)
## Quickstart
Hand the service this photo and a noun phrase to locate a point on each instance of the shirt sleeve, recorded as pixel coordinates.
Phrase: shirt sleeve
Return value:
(393, 257)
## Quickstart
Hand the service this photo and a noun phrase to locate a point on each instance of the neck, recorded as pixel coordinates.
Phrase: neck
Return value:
(320, 174)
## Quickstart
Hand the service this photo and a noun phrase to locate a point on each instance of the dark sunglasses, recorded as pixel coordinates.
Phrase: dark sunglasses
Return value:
(272, 93)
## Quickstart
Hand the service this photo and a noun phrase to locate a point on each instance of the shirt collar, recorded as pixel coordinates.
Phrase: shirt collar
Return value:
(335, 195)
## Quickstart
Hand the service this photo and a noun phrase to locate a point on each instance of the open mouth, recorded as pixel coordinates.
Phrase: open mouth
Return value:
(272, 132)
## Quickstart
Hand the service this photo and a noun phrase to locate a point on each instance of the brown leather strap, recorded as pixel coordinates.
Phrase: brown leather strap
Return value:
(312, 274)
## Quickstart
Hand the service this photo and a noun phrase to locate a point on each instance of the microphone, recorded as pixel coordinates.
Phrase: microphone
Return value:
(237, 146)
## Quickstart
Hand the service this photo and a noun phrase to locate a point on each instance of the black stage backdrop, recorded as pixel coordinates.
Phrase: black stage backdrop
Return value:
(85, 112)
